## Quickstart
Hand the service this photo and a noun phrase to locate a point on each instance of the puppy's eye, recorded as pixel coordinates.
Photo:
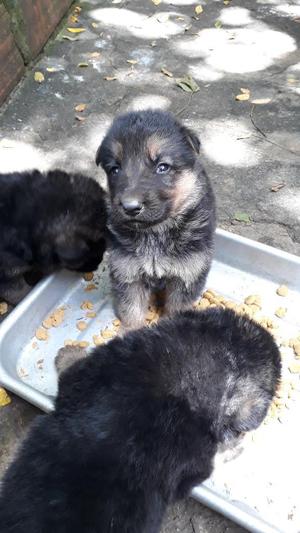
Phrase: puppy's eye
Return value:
(163, 168)
(114, 170)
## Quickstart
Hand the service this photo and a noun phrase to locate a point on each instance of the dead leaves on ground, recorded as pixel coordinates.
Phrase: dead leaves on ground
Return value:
(166, 72)
(76, 30)
(277, 186)
(187, 84)
(39, 77)
(243, 96)
(198, 10)
(110, 78)
(242, 217)
(80, 107)
(156, 2)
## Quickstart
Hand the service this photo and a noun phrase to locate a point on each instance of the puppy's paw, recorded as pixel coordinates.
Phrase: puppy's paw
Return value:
(67, 356)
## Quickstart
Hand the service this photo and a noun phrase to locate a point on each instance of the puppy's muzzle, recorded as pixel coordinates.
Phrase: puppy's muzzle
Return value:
(132, 204)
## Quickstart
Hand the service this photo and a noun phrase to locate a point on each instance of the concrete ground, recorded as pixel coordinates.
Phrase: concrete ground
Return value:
(251, 147)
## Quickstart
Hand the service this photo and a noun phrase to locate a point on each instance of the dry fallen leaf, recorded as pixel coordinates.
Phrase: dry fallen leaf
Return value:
(166, 72)
(132, 61)
(76, 30)
(52, 69)
(110, 78)
(94, 24)
(245, 95)
(198, 10)
(39, 77)
(277, 186)
(73, 19)
(261, 101)
(156, 2)
(82, 65)
(94, 54)
(77, 9)
(218, 24)
(80, 119)
(80, 107)
(68, 38)
(242, 217)
(188, 84)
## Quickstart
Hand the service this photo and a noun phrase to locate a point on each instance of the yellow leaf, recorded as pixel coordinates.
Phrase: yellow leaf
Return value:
(73, 19)
(242, 97)
(94, 24)
(52, 69)
(132, 61)
(80, 107)
(110, 78)
(198, 10)
(76, 30)
(82, 65)
(156, 2)
(244, 91)
(261, 101)
(94, 54)
(39, 77)
(4, 398)
(166, 72)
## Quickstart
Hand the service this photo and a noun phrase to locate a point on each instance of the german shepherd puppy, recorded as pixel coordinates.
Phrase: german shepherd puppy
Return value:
(137, 424)
(162, 213)
(48, 221)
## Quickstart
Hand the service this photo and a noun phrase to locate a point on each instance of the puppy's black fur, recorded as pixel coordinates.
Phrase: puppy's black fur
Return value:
(162, 213)
(137, 425)
(48, 221)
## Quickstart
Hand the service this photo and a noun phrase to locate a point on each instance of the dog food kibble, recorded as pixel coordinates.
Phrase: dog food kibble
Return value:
(91, 314)
(83, 344)
(282, 290)
(3, 308)
(253, 299)
(68, 342)
(4, 398)
(81, 325)
(42, 334)
(108, 333)
(86, 304)
(98, 340)
(88, 276)
(55, 319)
(281, 312)
(90, 287)
(117, 323)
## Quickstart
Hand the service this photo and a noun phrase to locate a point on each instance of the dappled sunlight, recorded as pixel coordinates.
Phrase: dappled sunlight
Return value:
(147, 101)
(289, 201)
(235, 16)
(16, 156)
(179, 2)
(205, 73)
(228, 142)
(289, 10)
(239, 50)
(140, 25)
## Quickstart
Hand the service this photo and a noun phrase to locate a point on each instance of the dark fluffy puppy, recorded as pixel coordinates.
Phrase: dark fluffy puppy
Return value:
(48, 221)
(162, 213)
(137, 425)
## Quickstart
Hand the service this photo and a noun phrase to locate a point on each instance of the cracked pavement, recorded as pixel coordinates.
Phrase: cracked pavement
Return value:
(248, 147)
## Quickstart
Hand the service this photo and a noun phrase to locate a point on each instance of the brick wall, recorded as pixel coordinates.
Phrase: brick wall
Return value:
(25, 27)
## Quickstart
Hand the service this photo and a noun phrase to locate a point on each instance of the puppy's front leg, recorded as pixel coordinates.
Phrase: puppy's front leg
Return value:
(131, 302)
(181, 296)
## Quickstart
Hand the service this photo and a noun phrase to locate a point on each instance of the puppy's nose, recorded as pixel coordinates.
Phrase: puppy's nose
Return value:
(132, 205)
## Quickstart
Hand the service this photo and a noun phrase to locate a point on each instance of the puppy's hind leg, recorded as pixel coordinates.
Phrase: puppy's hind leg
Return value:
(131, 302)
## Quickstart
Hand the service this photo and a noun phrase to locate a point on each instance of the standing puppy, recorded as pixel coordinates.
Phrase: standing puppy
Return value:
(162, 213)
(138, 423)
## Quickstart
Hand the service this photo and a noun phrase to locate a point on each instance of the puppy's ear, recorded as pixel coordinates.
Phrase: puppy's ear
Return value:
(192, 139)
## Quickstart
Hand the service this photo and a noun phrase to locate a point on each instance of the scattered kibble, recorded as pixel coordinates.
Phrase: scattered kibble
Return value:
(4, 398)
(86, 304)
(281, 312)
(98, 340)
(81, 325)
(84, 344)
(107, 333)
(68, 342)
(55, 319)
(42, 334)
(90, 287)
(282, 290)
(91, 314)
(88, 276)
(3, 308)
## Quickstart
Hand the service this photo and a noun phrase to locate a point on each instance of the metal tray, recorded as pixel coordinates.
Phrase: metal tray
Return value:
(259, 488)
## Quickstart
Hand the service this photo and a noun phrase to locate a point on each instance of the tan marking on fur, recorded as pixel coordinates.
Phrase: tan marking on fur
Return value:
(117, 150)
(154, 146)
(184, 190)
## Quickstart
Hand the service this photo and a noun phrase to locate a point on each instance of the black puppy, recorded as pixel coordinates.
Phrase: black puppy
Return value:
(137, 425)
(48, 221)
(162, 213)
